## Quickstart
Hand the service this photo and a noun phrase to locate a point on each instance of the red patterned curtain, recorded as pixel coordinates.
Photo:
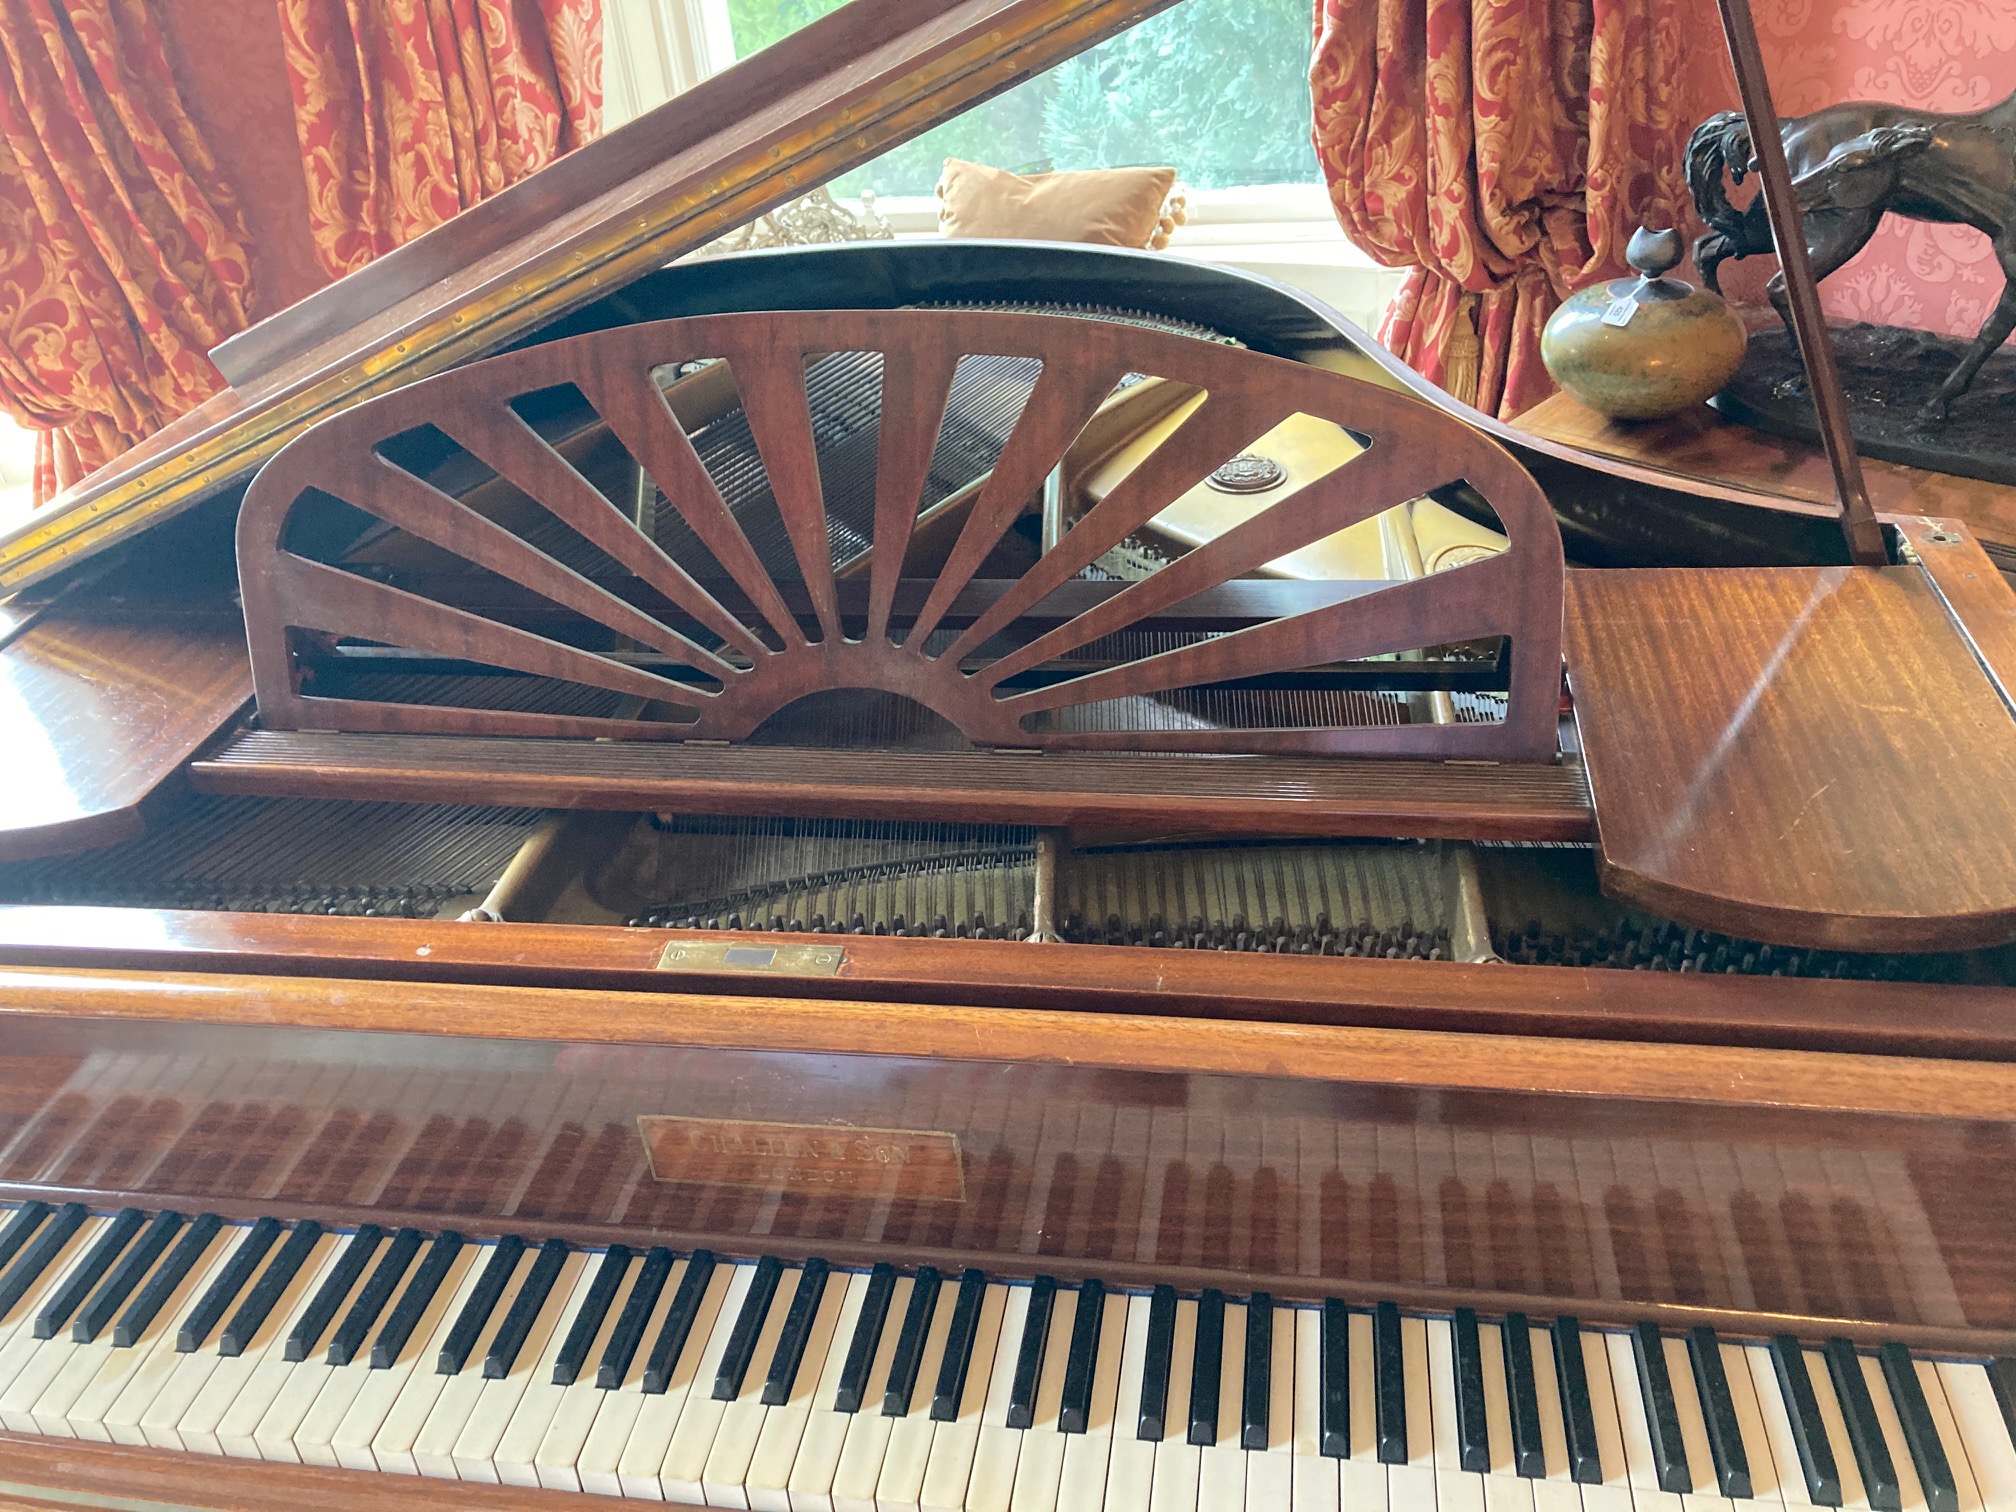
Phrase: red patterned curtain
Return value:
(1503, 151)
(411, 110)
(122, 252)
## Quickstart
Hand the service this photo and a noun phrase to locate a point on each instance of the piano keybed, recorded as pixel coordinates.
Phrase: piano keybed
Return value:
(690, 1377)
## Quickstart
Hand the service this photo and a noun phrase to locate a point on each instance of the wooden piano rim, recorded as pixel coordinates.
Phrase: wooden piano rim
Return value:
(1423, 1059)
(1572, 1002)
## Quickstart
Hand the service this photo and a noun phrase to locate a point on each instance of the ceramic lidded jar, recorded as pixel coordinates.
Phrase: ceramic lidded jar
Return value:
(1646, 347)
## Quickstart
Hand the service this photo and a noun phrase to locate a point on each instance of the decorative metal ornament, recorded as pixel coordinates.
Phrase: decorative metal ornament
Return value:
(1248, 473)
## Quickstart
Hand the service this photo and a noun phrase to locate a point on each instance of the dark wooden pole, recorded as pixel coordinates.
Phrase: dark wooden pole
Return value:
(1858, 519)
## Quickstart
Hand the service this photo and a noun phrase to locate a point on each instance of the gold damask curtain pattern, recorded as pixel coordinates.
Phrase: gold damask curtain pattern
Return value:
(122, 251)
(1503, 151)
(411, 110)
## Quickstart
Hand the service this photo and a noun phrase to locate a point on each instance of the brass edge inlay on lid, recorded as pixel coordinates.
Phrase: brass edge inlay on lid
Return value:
(743, 958)
(571, 275)
(740, 1152)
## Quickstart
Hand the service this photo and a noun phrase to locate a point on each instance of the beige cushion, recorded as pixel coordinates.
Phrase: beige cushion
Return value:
(1115, 207)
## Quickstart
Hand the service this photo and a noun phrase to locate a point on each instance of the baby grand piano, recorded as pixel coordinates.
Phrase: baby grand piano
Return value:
(832, 895)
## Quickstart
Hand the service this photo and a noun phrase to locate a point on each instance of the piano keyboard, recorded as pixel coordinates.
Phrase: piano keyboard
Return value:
(774, 1384)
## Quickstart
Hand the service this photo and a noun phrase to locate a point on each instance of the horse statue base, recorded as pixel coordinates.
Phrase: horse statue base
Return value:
(1889, 374)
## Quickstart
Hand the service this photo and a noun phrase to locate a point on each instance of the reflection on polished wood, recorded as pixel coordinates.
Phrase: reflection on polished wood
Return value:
(1811, 755)
(96, 713)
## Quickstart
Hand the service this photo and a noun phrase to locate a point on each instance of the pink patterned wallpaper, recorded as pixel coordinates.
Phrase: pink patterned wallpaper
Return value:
(1950, 55)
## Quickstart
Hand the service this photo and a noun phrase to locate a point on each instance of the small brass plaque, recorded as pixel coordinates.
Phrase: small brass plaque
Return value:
(805, 1157)
(739, 956)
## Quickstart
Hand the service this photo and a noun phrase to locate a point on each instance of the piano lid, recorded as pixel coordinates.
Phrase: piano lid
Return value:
(849, 86)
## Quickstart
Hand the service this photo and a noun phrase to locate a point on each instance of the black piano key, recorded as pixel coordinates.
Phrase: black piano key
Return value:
(1207, 1368)
(1884, 1492)
(1522, 1398)
(909, 1355)
(1473, 1441)
(1662, 1412)
(161, 1285)
(628, 1333)
(85, 1274)
(413, 1302)
(952, 1370)
(1809, 1433)
(221, 1293)
(2002, 1377)
(1154, 1417)
(20, 1227)
(741, 1346)
(525, 1309)
(481, 1302)
(663, 1361)
(1718, 1413)
(797, 1332)
(1578, 1415)
(35, 1257)
(1334, 1385)
(1081, 1365)
(588, 1321)
(1921, 1434)
(1389, 1385)
(265, 1294)
(133, 1265)
(867, 1335)
(375, 1295)
(1256, 1404)
(1029, 1358)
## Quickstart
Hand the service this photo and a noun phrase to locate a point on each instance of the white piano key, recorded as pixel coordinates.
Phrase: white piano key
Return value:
(1130, 1466)
(1615, 1492)
(39, 1360)
(725, 1480)
(1750, 1422)
(1270, 1472)
(999, 1446)
(563, 1414)
(1456, 1489)
(600, 1464)
(1177, 1460)
(1363, 1484)
(1221, 1466)
(1707, 1493)
(1633, 1429)
(472, 1456)
(1777, 1423)
(393, 1445)
(201, 1427)
(1970, 1485)
(1040, 1464)
(769, 1479)
(1912, 1494)
(1087, 1455)
(1504, 1489)
(658, 1419)
(809, 1486)
(1414, 1484)
(143, 1383)
(685, 1463)
(1557, 1492)
(1853, 1497)
(954, 1444)
(900, 1487)
(382, 1389)
(1314, 1487)
(868, 1435)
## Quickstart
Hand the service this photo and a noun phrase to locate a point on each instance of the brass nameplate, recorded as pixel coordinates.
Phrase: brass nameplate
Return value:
(807, 1157)
(737, 956)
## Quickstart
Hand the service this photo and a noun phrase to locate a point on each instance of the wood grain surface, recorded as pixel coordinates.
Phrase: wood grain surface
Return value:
(1809, 756)
(96, 713)
(1586, 1003)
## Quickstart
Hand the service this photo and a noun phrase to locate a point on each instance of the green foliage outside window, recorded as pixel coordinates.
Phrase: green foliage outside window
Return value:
(1218, 89)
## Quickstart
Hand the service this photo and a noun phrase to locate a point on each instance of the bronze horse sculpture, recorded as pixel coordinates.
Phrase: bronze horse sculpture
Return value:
(1851, 164)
